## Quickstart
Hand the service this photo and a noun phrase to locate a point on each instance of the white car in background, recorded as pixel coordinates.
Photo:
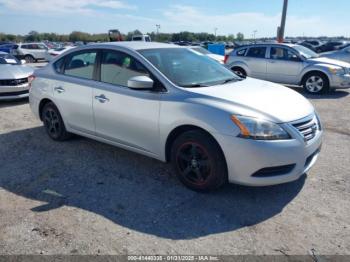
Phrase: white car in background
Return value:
(52, 53)
(141, 38)
(203, 51)
(15, 77)
(31, 52)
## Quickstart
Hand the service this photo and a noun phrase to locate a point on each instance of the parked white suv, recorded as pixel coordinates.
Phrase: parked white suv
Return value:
(142, 38)
(290, 64)
(31, 52)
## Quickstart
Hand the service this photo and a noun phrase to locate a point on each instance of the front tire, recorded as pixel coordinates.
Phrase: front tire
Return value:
(29, 59)
(198, 161)
(316, 83)
(53, 123)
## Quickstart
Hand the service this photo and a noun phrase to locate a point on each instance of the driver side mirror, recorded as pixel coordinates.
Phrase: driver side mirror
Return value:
(140, 82)
(296, 58)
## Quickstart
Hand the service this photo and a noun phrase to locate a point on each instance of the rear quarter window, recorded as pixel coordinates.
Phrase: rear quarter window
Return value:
(241, 52)
(58, 66)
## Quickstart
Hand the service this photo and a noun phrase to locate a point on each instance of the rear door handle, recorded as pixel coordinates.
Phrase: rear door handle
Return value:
(102, 98)
(59, 89)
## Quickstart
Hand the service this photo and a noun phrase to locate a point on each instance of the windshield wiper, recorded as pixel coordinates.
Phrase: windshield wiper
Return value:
(230, 80)
(195, 85)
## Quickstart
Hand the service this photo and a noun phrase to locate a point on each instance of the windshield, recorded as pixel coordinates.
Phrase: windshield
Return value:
(305, 52)
(201, 50)
(8, 59)
(188, 68)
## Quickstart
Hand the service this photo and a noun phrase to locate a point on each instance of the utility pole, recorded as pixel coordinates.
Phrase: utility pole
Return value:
(280, 30)
(254, 35)
(215, 29)
(158, 27)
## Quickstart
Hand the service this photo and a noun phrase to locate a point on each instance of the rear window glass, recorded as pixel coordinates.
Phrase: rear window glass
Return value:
(258, 52)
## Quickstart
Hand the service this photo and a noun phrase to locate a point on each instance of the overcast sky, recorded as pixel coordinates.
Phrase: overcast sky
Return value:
(305, 17)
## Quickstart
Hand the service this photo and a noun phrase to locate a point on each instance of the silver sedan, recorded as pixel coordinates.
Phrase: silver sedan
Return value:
(177, 105)
(14, 77)
(342, 54)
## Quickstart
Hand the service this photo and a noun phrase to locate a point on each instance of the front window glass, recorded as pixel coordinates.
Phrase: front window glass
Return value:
(187, 68)
(81, 64)
(117, 68)
(8, 59)
(305, 52)
(279, 53)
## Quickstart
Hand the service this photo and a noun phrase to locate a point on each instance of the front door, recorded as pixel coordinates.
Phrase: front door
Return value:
(123, 115)
(283, 66)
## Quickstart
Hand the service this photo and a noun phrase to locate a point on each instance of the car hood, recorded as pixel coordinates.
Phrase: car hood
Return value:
(257, 98)
(15, 71)
(330, 61)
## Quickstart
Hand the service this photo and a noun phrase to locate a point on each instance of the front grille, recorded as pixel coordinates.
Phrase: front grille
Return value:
(14, 93)
(308, 128)
(274, 171)
(13, 82)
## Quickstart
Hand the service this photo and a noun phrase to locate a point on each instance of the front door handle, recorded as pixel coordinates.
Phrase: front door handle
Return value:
(102, 98)
(59, 89)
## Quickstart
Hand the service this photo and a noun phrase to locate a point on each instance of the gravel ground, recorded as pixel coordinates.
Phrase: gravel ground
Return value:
(84, 197)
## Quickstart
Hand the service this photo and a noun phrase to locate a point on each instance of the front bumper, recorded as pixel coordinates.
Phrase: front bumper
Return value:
(245, 158)
(340, 81)
(14, 92)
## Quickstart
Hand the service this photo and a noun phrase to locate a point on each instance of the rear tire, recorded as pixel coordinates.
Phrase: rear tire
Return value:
(53, 123)
(198, 161)
(315, 83)
(239, 71)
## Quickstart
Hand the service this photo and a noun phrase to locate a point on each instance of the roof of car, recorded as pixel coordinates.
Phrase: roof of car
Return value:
(138, 45)
(268, 44)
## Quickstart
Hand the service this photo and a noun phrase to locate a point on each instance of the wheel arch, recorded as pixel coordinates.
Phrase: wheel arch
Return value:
(319, 71)
(176, 132)
(42, 103)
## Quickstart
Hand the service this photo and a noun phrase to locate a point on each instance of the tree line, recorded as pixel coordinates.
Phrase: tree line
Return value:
(34, 36)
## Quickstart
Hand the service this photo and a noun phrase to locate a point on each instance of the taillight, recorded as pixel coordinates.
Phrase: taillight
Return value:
(30, 80)
(225, 59)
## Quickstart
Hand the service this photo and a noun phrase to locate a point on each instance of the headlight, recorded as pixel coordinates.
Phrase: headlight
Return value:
(337, 70)
(258, 129)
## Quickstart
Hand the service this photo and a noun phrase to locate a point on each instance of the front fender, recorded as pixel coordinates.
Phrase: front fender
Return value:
(323, 68)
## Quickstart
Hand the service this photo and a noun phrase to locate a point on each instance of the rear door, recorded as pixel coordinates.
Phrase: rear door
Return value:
(283, 65)
(73, 89)
(256, 60)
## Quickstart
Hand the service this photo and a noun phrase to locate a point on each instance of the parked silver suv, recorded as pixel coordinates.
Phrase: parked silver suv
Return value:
(290, 64)
(31, 52)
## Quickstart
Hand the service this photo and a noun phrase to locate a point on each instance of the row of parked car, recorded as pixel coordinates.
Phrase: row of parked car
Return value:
(289, 64)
